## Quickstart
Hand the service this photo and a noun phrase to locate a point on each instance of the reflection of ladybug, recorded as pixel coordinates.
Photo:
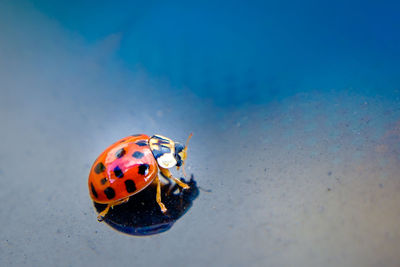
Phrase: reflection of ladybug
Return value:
(140, 216)
(130, 165)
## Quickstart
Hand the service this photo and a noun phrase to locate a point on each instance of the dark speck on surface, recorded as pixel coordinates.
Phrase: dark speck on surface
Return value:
(381, 185)
(329, 173)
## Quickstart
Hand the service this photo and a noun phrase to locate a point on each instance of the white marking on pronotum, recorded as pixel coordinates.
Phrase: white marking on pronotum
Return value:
(166, 161)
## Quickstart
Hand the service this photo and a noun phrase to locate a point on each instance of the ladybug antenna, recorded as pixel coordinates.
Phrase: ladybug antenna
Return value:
(185, 155)
(187, 141)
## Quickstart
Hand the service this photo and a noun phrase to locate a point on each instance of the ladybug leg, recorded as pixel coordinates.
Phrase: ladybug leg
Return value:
(102, 214)
(158, 196)
(167, 174)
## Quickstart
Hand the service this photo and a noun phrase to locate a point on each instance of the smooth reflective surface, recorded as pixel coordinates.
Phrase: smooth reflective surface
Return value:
(294, 108)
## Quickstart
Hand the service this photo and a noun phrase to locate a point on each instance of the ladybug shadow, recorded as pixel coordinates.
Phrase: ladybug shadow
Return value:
(141, 215)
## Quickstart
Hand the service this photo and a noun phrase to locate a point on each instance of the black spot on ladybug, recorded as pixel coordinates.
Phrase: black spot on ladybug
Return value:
(99, 168)
(130, 186)
(103, 181)
(159, 152)
(118, 172)
(110, 193)
(162, 142)
(120, 153)
(138, 155)
(143, 169)
(160, 138)
(93, 190)
(141, 143)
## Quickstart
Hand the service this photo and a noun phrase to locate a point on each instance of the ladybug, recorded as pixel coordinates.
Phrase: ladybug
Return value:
(130, 165)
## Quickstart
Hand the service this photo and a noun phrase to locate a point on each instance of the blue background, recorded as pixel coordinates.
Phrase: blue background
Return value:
(237, 52)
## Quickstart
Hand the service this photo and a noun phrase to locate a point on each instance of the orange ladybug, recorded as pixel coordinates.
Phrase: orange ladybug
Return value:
(130, 165)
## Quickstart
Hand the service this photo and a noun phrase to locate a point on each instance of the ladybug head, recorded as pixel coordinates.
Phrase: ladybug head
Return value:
(181, 154)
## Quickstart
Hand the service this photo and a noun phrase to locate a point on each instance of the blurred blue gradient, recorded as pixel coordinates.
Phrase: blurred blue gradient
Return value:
(236, 52)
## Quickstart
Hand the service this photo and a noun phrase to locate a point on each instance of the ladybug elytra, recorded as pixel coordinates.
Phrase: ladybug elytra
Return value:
(131, 164)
